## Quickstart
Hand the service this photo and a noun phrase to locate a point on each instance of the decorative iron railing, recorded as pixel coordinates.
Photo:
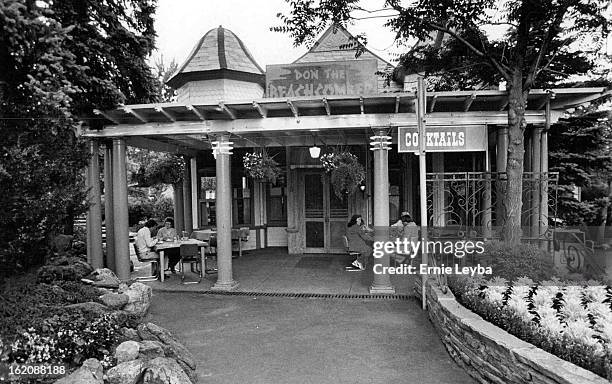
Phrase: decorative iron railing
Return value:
(472, 204)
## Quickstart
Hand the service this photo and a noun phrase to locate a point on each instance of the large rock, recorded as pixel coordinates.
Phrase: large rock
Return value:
(162, 370)
(150, 349)
(172, 348)
(89, 373)
(105, 278)
(129, 334)
(114, 300)
(139, 299)
(126, 351)
(129, 372)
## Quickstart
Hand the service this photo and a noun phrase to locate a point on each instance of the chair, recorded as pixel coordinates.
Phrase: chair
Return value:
(155, 270)
(212, 251)
(190, 254)
(352, 254)
(239, 236)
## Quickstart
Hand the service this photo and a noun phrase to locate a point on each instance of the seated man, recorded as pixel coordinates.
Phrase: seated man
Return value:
(405, 228)
(167, 232)
(144, 242)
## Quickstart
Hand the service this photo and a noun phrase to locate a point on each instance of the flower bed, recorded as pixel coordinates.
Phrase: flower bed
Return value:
(570, 321)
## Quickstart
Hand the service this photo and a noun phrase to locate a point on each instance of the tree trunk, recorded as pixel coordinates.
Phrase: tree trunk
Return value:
(513, 200)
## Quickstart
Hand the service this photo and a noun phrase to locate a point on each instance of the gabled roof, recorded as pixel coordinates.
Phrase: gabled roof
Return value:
(218, 54)
(332, 39)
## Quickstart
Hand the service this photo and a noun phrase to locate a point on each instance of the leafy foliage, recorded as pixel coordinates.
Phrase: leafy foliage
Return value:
(346, 172)
(261, 166)
(58, 61)
(513, 261)
(167, 169)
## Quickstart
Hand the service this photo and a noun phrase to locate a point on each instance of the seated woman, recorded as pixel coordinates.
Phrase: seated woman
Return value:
(405, 228)
(167, 232)
(359, 240)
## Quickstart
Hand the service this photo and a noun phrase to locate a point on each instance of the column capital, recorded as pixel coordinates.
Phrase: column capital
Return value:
(380, 141)
(222, 147)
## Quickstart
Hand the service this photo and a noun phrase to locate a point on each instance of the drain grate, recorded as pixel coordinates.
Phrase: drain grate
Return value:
(310, 295)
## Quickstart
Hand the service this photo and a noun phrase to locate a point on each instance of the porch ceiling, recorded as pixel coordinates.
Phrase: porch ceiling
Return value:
(187, 128)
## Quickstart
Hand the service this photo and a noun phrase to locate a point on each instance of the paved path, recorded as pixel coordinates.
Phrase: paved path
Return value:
(268, 340)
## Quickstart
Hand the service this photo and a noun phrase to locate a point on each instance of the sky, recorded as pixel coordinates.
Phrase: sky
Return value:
(181, 23)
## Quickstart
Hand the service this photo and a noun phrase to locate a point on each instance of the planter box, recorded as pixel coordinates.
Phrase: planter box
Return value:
(492, 355)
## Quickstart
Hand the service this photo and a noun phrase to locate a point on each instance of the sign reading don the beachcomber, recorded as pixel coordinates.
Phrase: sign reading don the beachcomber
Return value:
(459, 138)
(354, 77)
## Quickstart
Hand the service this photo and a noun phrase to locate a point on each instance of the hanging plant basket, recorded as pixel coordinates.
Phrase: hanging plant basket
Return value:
(346, 172)
(168, 170)
(262, 167)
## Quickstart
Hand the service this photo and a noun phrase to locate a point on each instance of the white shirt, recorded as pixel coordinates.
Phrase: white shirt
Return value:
(144, 242)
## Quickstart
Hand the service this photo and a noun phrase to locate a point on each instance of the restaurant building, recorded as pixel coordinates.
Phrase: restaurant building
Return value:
(227, 106)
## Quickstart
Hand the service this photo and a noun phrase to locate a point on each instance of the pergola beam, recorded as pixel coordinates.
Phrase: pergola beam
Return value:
(134, 113)
(287, 124)
(106, 116)
(262, 111)
(294, 109)
(467, 103)
(227, 111)
(432, 105)
(326, 105)
(166, 114)
(158, 146)
(195, 111)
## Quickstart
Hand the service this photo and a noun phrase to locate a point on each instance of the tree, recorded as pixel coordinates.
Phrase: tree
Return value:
(581, 151)
(536, 45)
(58, 61)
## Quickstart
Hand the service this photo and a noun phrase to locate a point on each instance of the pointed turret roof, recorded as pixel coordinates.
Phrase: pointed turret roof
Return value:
(218, 54)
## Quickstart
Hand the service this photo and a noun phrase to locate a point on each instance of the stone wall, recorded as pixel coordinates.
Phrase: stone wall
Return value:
(490, 354)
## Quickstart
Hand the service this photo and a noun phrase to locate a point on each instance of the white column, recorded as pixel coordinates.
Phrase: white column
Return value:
(120, 211)
(195, 187)
(94, 214)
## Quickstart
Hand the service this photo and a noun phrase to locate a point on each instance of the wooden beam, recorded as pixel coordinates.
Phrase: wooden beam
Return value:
(432, 105)
(262, 111)
(467, 103)
(195, 111)
(166, 114)
(287, 124)
(134, 113)
(227, 111)
(158, 146)
(293, 108)
(361, 104)
(188, 141)
(326, 105)
(106, 116)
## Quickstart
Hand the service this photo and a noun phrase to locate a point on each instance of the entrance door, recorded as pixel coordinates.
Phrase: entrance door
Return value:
(325, 215)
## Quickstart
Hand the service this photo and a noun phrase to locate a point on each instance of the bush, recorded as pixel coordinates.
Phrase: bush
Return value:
(163, 207)
(514, 261)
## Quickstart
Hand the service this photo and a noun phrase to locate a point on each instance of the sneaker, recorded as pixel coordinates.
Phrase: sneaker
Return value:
(356, 264)
(351, 268)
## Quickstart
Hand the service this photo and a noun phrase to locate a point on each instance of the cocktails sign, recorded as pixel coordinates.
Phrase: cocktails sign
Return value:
(354, 77)
(461, 138)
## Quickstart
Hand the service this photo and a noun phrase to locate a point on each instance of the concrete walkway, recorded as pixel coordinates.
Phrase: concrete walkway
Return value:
(250, 339)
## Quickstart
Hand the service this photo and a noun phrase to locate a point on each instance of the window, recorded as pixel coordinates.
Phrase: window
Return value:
(242, 198)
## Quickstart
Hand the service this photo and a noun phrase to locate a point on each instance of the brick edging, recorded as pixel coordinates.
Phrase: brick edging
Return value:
(492, 355)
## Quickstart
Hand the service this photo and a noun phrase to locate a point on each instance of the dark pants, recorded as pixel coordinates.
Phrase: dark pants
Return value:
(174, 256)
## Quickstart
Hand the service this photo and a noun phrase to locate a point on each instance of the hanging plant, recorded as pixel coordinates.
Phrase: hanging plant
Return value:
(260, 166)
(167, 170)
(346, 172)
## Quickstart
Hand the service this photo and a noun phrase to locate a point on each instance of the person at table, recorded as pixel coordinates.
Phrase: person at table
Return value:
(168, 232)
(359, 240)
(144, 241)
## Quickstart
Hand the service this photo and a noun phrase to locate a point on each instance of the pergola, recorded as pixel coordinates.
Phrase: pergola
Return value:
(272, 122)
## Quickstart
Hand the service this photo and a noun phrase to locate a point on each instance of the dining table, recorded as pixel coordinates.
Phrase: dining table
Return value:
(162, 245)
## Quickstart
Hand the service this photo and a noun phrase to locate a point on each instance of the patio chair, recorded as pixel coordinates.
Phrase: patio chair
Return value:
(190, 254)
(354, 255)
(212, 252)
(155, 270)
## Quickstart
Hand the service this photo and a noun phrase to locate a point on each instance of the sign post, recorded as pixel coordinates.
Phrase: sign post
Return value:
(421, 108)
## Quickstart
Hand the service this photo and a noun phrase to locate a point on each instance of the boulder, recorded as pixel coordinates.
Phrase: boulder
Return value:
(123, 287)
(162, 370)
(172, 348)
(89, 373)
(114, 300)
(150, 349)
(129, 334)
(90, 306)
(126, 351)
(105, 278)
(129, 372)
(139, 299)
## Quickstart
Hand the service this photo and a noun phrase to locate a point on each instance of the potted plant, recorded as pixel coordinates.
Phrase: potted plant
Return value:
(261, 166)
(346, 172)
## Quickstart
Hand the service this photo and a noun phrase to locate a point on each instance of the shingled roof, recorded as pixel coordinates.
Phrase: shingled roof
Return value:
(218, 54)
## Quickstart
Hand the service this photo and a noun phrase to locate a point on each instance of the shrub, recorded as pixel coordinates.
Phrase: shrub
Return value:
(514, 261)
(163, 207)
